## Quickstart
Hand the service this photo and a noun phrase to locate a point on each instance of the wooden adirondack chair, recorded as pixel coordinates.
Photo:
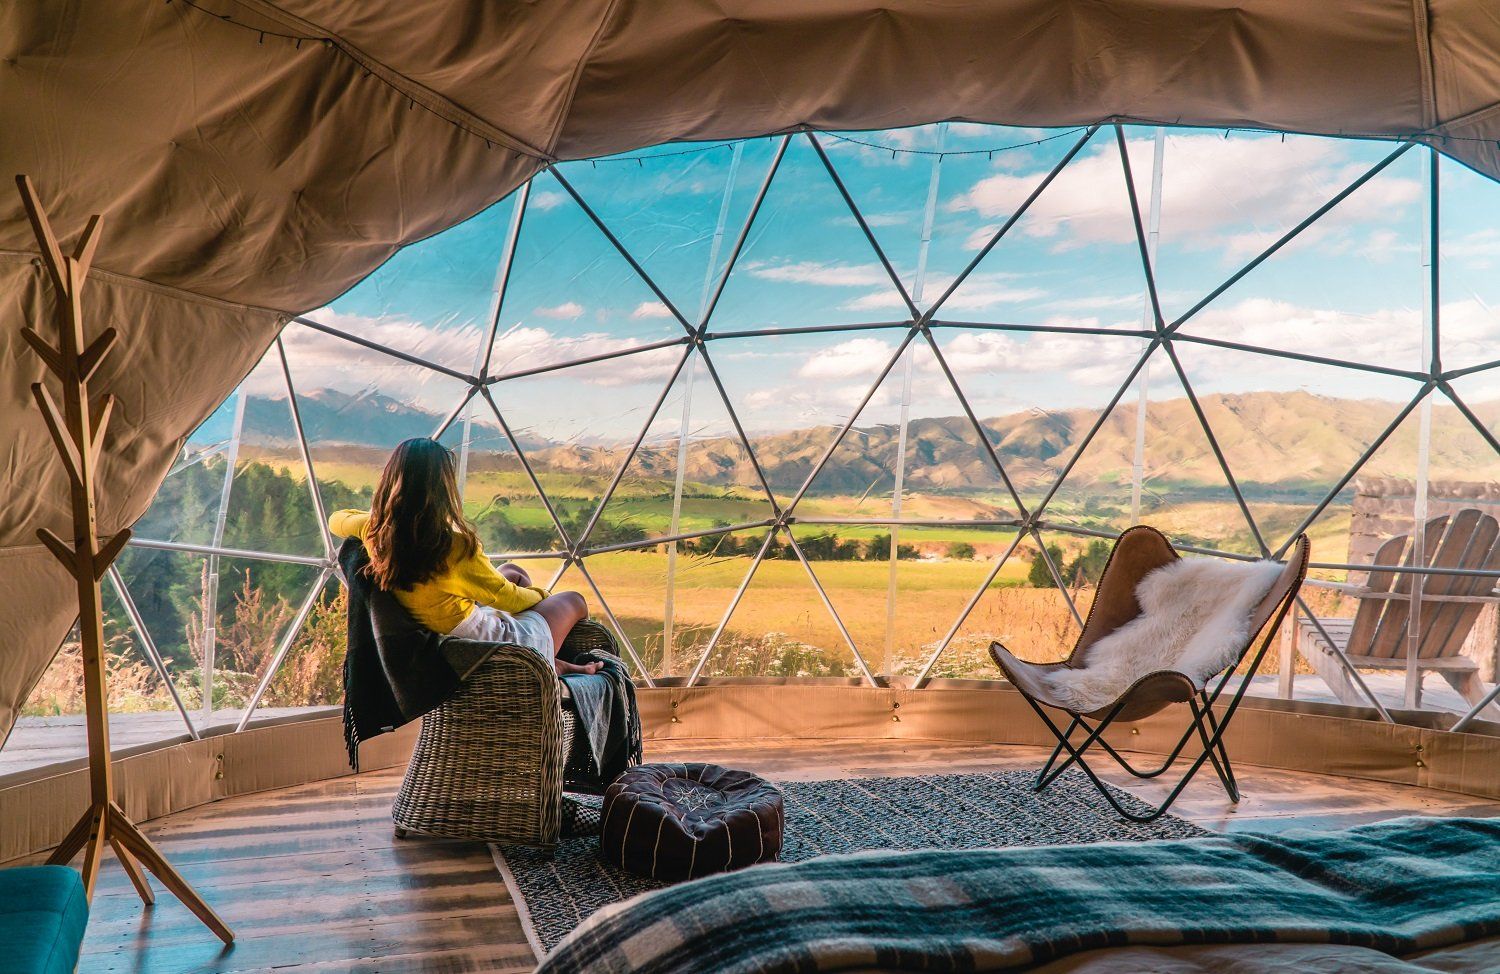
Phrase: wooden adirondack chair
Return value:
(1376, 638)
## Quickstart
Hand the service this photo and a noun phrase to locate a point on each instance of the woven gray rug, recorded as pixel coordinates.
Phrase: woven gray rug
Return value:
(951, 811)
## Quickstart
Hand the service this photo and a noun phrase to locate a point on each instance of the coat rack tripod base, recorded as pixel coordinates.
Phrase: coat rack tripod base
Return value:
(77, 427)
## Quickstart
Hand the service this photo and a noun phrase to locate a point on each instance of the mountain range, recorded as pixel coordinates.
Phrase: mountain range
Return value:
(1276, 441)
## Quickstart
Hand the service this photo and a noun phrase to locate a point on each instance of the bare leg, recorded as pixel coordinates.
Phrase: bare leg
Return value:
(563, 611)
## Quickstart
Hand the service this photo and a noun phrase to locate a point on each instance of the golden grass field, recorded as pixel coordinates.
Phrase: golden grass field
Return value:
(782, 623)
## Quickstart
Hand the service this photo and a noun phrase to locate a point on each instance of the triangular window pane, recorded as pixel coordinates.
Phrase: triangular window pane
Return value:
(692, 471)
(677, 209)
(1023, 609)
(1226, 197)
(238, 609)
(570, 294)
(1038, 395)
(793, 393)
(312, 674)
(1073, 258)
(257, 605)
(805, 262)
(914, 428)
(1289, 430)
(780, 627)
(674, 594)
(899, 611)
(435, 298)
(356, 405)
(499, 497)
(1152, 463)
(1349, 287)
(1469, 254)
(577, 426)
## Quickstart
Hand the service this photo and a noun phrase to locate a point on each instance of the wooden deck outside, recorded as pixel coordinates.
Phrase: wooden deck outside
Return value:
(313, 881)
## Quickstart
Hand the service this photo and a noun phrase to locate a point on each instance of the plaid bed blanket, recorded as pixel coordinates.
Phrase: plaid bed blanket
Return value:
(1399, 886)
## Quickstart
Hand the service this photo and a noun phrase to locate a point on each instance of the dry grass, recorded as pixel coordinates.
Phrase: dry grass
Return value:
(781, 613)
(780, 627)
(132, 684)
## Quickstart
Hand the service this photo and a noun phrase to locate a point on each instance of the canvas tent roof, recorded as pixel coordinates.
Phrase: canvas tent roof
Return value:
(256, 159)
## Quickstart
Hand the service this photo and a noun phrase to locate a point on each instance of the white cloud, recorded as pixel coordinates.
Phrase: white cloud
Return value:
(546, 200)
(322, 361)
(978, 292)
(819, 273)
(879, 299)
(846, 360)
(1478, 250)
(566, 310)
(1235, 195)
(1071, 357)
(1387, 337)
(650, 309)
(1101, 302)
(522, 347)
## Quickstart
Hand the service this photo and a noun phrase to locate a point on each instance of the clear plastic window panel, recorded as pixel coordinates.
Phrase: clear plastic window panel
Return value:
(857, 405)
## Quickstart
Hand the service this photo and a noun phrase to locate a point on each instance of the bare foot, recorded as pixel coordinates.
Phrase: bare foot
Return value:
(564, 667)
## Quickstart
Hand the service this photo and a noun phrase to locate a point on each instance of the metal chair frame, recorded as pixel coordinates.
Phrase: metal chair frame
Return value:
(1208, 728)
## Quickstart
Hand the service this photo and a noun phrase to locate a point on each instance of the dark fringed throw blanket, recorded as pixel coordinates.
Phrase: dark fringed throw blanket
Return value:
(604, 705)
(394, 669)
(1397, 887)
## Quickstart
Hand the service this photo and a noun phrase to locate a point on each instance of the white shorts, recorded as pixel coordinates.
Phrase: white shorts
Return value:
(490, 625)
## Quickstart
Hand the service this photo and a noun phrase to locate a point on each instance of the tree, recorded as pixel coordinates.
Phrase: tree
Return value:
(826, 546)
(878, 548)
(1040, 575)
(1087, 568)
(961, 551)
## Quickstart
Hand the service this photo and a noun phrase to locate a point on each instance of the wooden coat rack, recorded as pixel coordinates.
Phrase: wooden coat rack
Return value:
(77, 429)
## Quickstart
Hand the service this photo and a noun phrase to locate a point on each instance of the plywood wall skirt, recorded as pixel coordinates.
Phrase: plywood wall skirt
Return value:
(1315, 738)
(36, 806)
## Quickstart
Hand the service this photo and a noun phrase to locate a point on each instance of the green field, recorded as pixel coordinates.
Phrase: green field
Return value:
(781, 626)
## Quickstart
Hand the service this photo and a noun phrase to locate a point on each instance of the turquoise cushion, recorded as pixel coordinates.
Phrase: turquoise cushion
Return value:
(42, 917)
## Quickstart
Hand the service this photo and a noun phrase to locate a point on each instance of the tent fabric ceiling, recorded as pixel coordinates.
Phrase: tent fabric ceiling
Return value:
(257, 159)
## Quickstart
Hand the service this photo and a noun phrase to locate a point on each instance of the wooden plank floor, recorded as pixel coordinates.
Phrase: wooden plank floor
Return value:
(313, 881)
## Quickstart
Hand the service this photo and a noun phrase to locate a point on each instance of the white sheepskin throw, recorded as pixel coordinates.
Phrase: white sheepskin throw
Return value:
(1195, 620)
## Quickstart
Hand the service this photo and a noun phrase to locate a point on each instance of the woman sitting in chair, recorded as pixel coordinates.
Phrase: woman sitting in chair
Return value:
(427, 555)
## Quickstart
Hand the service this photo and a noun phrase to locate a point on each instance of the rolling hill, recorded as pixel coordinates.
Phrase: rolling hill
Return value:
(1275, 442)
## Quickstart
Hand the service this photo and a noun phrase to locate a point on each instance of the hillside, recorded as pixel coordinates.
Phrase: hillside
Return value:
(1276, 442)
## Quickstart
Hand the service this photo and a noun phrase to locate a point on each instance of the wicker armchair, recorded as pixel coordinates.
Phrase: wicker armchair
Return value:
(491, 764)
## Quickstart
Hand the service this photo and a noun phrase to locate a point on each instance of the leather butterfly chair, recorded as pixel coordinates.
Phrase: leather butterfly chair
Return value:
(1138, 551)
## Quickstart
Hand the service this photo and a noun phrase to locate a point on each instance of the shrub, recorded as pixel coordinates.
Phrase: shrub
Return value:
(1040, 575)
(961, 551)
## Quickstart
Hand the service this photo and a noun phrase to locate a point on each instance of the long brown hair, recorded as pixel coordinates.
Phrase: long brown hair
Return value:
(416, 516)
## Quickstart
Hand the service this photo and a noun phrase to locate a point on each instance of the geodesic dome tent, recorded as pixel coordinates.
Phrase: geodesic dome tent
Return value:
(807, 342)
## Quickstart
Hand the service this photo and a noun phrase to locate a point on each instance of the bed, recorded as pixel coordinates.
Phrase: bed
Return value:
(1424, 889)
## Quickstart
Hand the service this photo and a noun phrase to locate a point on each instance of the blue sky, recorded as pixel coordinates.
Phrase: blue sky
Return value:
(1351, 288)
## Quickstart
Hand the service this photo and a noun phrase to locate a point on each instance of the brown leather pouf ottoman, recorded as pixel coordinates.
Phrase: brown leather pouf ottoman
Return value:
(681, 821)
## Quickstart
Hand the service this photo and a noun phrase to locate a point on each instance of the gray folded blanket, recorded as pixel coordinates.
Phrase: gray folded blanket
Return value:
(604, 706)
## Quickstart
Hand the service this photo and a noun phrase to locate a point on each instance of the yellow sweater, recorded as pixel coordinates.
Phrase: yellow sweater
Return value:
(446, 599)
